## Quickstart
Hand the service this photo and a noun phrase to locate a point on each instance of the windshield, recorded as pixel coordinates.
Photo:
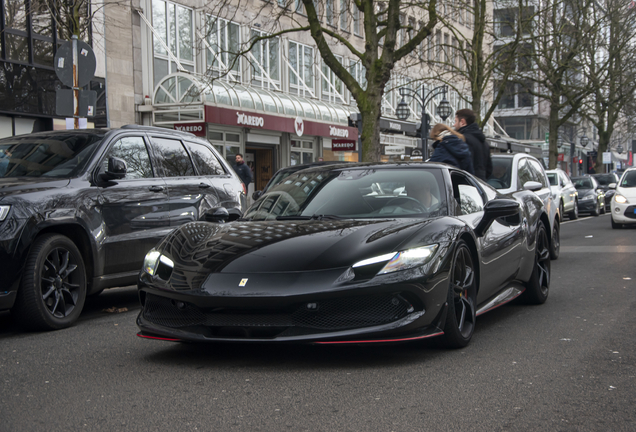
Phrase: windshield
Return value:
(605, 179)
(58, 155)
(553, 179)
(279, 177)
(355, 193)
(629, 179)
(582, 183)
(501, 173)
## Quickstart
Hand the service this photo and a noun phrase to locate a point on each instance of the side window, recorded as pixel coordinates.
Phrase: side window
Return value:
(204, 159)
(172, 157)
(134, 152)
(468, 195)
(524, 173)
(538, 173)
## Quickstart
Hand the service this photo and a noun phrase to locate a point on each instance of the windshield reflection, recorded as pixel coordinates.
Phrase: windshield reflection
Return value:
(352, 194)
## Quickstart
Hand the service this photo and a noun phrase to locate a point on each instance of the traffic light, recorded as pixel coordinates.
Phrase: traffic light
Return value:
(580, 162)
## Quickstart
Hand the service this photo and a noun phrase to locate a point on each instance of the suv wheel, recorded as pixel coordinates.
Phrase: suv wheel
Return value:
(53, 288)
(574, 214)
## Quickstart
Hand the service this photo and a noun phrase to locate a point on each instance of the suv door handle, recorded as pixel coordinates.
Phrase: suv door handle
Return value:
(204, 185)
(155, 188)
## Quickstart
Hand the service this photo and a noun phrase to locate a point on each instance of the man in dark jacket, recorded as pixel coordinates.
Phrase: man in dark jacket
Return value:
(476, 140)
(244, 172)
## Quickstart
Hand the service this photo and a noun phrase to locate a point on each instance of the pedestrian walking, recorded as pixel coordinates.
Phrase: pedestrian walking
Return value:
(244, 172)
(450, 148)
(476, 140)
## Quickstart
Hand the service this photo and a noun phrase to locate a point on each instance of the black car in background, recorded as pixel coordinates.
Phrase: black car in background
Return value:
(80, 209)
(591, 196)
(283, 173)
(604, 180)
(361, 253)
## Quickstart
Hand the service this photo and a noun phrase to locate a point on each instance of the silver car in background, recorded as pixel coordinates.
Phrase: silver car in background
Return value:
(516, 172)
(564, 193)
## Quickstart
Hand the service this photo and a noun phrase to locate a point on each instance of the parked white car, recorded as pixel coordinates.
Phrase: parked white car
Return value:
(624, 201)
(515, 172)
(564, 193)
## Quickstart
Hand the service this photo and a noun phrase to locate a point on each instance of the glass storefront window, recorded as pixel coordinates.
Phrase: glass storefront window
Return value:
(302, 152)
(226, 143)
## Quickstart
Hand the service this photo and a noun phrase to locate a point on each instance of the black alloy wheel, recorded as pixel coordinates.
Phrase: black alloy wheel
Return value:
(538, 286)
(53, 288)
(574, 214)
(555, 245)
(561, 211)
(462, 294)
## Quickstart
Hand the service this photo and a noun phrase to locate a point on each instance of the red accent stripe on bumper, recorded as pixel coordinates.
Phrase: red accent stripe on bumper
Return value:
(380, 340)
(158, 338)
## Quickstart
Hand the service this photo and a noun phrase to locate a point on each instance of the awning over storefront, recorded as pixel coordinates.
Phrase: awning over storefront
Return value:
(514, 146)
(180, 97)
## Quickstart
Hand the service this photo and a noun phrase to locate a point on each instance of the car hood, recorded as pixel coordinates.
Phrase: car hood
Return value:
(25, 185)
(629, 193)
(295, 246)
(585, 192)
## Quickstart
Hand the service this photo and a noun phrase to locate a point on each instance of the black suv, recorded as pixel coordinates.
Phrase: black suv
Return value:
(80, 209)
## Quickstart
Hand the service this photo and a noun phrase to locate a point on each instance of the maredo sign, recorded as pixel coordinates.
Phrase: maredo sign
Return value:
(197, 129)
(296, 126)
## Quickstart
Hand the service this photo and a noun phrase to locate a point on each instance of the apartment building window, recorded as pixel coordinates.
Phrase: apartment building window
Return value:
(447, 48)
(430, 48)
(516, 96)
(332, 82)
(455, 52)
(344, 15)
(299, 7)
(357, 21)
(301, 61)
(359, 72)
(224, 40)
(175, 25)
(302, 152)
(266, 53)
(329, 12)
(438, 52)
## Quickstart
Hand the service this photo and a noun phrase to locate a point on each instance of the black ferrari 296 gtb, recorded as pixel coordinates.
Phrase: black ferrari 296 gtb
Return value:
(350, 254)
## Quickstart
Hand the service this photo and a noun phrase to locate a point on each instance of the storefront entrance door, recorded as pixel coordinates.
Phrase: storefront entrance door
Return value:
(262, 164)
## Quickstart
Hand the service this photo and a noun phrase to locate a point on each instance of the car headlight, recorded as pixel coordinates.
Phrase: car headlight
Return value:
(620, 199)
(4, 211)
(156, 264)
(402, 260)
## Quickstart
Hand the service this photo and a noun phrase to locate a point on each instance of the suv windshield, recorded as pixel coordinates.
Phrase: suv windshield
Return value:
(501, 173)
(582, 183)
(59, 154)
(605, 179)
(355, 193)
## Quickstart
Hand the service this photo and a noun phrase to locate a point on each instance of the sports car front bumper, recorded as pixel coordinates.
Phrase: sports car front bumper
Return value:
(298, 307)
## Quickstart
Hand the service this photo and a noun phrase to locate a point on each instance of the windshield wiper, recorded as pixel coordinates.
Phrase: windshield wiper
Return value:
(313, 217)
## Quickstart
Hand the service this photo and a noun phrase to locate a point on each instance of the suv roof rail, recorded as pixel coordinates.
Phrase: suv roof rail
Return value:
(155, 128)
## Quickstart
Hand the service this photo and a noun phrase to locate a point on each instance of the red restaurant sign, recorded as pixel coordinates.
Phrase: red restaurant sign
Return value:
(297, 126)
(195, 128)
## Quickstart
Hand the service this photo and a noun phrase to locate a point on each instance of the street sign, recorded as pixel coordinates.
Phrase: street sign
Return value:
(394, 150)
(607, 157)
(86, 63)
(416, 152)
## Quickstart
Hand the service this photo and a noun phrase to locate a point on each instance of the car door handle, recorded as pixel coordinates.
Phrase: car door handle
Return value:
(155, 188)
(204, 185)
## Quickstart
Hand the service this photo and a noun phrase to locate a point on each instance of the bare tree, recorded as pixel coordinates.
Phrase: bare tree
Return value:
(610, 67)
(384, 44)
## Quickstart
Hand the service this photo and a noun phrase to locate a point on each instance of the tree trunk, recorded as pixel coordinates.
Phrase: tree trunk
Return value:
(554, 136)
(371, 150)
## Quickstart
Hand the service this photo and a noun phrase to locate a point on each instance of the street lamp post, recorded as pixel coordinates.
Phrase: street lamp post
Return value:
(444, 110)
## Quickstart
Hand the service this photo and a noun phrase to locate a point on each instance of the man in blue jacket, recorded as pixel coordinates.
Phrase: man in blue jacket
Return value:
(244, 172)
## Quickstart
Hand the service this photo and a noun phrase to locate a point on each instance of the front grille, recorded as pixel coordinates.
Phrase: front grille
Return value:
(629, 212)
(305, 318)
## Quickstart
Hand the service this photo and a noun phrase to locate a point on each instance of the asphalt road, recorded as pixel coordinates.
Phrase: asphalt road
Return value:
(568, 365)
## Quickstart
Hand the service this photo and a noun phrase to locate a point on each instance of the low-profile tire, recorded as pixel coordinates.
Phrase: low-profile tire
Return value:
(561, 212)
(555, 244)
(538, 287)
(574, 214)
(616, 225)
(596, 210)
(462, 293)
(53, 287)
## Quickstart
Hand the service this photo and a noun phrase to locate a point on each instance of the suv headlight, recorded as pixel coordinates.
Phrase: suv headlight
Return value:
(156, 264)
(620, 199)
(402, 260)
(4, 211)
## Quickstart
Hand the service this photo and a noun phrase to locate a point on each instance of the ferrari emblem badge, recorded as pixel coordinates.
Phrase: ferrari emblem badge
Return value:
(243, 282)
